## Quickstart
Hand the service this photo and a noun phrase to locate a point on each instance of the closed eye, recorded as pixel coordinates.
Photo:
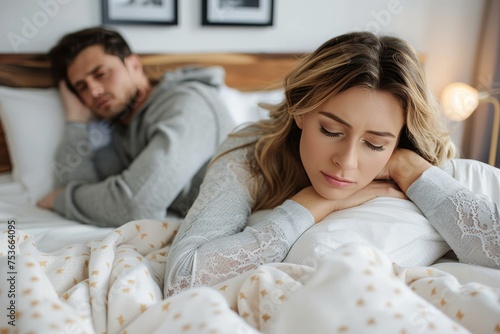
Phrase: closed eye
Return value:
(330, 134)
(338, 134)
(80, 88)
(100, 74)
(374, 147)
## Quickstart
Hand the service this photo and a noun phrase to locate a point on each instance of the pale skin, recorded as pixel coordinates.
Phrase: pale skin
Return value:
(347, 144)
(105, 85)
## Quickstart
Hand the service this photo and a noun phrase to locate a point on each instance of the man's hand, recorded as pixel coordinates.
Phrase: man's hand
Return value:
(76, 111)
(47, 202)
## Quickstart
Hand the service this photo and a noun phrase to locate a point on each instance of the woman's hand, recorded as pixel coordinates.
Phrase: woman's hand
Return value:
(76, 111)
(404, 167)
(320, 207)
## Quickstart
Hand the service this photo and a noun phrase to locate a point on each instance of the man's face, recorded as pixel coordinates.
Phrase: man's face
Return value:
(104, 83)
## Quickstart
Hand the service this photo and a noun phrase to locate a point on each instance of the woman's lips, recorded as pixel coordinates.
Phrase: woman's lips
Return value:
(337, 181)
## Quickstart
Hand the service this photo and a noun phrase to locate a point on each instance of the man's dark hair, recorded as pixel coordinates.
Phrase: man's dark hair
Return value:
(70, 45)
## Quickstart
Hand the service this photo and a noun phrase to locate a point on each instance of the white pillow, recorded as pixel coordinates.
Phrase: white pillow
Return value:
(33, 120)
(479, 177)
(395, 226)
(244, 106)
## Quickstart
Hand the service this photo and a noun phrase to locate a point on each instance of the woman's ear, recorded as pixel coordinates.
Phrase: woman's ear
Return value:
(299, 120)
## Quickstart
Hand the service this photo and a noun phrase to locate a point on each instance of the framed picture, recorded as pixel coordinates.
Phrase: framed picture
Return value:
(156, 12)
(237, 12)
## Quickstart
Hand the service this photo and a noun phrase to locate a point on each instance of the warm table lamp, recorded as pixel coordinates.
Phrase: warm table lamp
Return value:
(460, 100)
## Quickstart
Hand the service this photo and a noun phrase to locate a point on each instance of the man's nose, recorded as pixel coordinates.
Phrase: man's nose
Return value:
(95, 89)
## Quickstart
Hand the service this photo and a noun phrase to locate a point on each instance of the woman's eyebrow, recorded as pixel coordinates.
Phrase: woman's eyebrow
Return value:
(335, 118)
(340, 120)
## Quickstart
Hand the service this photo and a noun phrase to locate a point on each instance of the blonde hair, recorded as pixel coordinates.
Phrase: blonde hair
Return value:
(358, 59)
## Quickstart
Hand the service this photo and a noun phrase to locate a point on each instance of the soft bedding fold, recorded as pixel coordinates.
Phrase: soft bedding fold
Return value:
(115, 284)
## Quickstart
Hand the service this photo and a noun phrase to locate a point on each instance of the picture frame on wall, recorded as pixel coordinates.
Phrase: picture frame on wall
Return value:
(237, 12)
(140, 12)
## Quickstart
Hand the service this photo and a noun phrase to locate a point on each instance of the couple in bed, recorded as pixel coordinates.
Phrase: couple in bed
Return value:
(357, 122)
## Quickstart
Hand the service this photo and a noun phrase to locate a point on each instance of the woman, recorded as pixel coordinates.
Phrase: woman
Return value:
(357, 111)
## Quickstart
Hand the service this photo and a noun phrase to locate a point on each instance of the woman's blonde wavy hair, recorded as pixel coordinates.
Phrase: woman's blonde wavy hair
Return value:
(358, 59)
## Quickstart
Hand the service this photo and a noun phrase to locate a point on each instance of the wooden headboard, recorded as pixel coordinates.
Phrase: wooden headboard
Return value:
(244, 71)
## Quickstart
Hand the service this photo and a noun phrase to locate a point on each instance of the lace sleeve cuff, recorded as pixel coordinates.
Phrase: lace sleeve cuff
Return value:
(469, 222)
(431, 188)
(291, 218)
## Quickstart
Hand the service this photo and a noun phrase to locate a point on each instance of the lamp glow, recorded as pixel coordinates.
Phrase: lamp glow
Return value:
(460, 100)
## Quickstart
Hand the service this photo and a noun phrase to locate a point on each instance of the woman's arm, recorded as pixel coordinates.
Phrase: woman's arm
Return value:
(468, 222)
(214, 242)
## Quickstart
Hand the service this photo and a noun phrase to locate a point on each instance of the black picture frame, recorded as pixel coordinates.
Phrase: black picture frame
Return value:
(237, 12)
(140, 12)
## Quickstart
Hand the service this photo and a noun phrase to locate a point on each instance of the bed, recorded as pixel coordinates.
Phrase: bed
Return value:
(379, 267)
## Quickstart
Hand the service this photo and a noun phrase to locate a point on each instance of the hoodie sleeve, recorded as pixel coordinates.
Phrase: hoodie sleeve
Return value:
(180, 142)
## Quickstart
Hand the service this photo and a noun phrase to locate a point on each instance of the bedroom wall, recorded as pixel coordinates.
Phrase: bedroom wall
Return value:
(446, 31)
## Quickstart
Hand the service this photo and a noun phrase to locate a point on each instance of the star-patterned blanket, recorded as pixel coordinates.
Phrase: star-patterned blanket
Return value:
(115, 285)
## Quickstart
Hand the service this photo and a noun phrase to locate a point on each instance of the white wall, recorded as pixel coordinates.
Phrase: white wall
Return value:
(446, 31)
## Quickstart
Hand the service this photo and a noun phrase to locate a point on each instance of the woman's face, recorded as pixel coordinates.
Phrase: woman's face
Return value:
(347, 141)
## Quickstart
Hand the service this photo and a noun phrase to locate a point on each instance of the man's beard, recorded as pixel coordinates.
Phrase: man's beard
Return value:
(125, 112)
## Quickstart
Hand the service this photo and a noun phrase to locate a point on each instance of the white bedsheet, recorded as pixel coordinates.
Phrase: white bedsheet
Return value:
(50, 230)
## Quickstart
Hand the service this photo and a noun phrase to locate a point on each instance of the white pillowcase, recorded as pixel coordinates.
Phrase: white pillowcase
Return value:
(244, 106)
(396, 226)
(479, 177)
(33, 120)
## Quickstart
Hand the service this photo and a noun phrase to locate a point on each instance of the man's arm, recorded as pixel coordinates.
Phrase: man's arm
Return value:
(73, 160)
(74, 156)
(183, 132)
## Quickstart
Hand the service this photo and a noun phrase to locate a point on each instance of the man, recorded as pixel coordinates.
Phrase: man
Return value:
(161, 136)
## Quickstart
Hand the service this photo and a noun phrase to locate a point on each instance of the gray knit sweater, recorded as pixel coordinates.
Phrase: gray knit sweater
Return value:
(154, 164)
(215, 242)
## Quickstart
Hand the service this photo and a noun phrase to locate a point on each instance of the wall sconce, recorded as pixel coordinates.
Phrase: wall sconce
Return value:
(460, 100)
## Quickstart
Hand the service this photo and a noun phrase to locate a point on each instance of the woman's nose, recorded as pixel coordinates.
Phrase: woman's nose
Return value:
(346, 157)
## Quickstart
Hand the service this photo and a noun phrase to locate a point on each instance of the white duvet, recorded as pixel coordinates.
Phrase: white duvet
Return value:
(114, 285)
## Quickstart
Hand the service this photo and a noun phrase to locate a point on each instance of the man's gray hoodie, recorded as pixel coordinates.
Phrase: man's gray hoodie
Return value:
(155, 164)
